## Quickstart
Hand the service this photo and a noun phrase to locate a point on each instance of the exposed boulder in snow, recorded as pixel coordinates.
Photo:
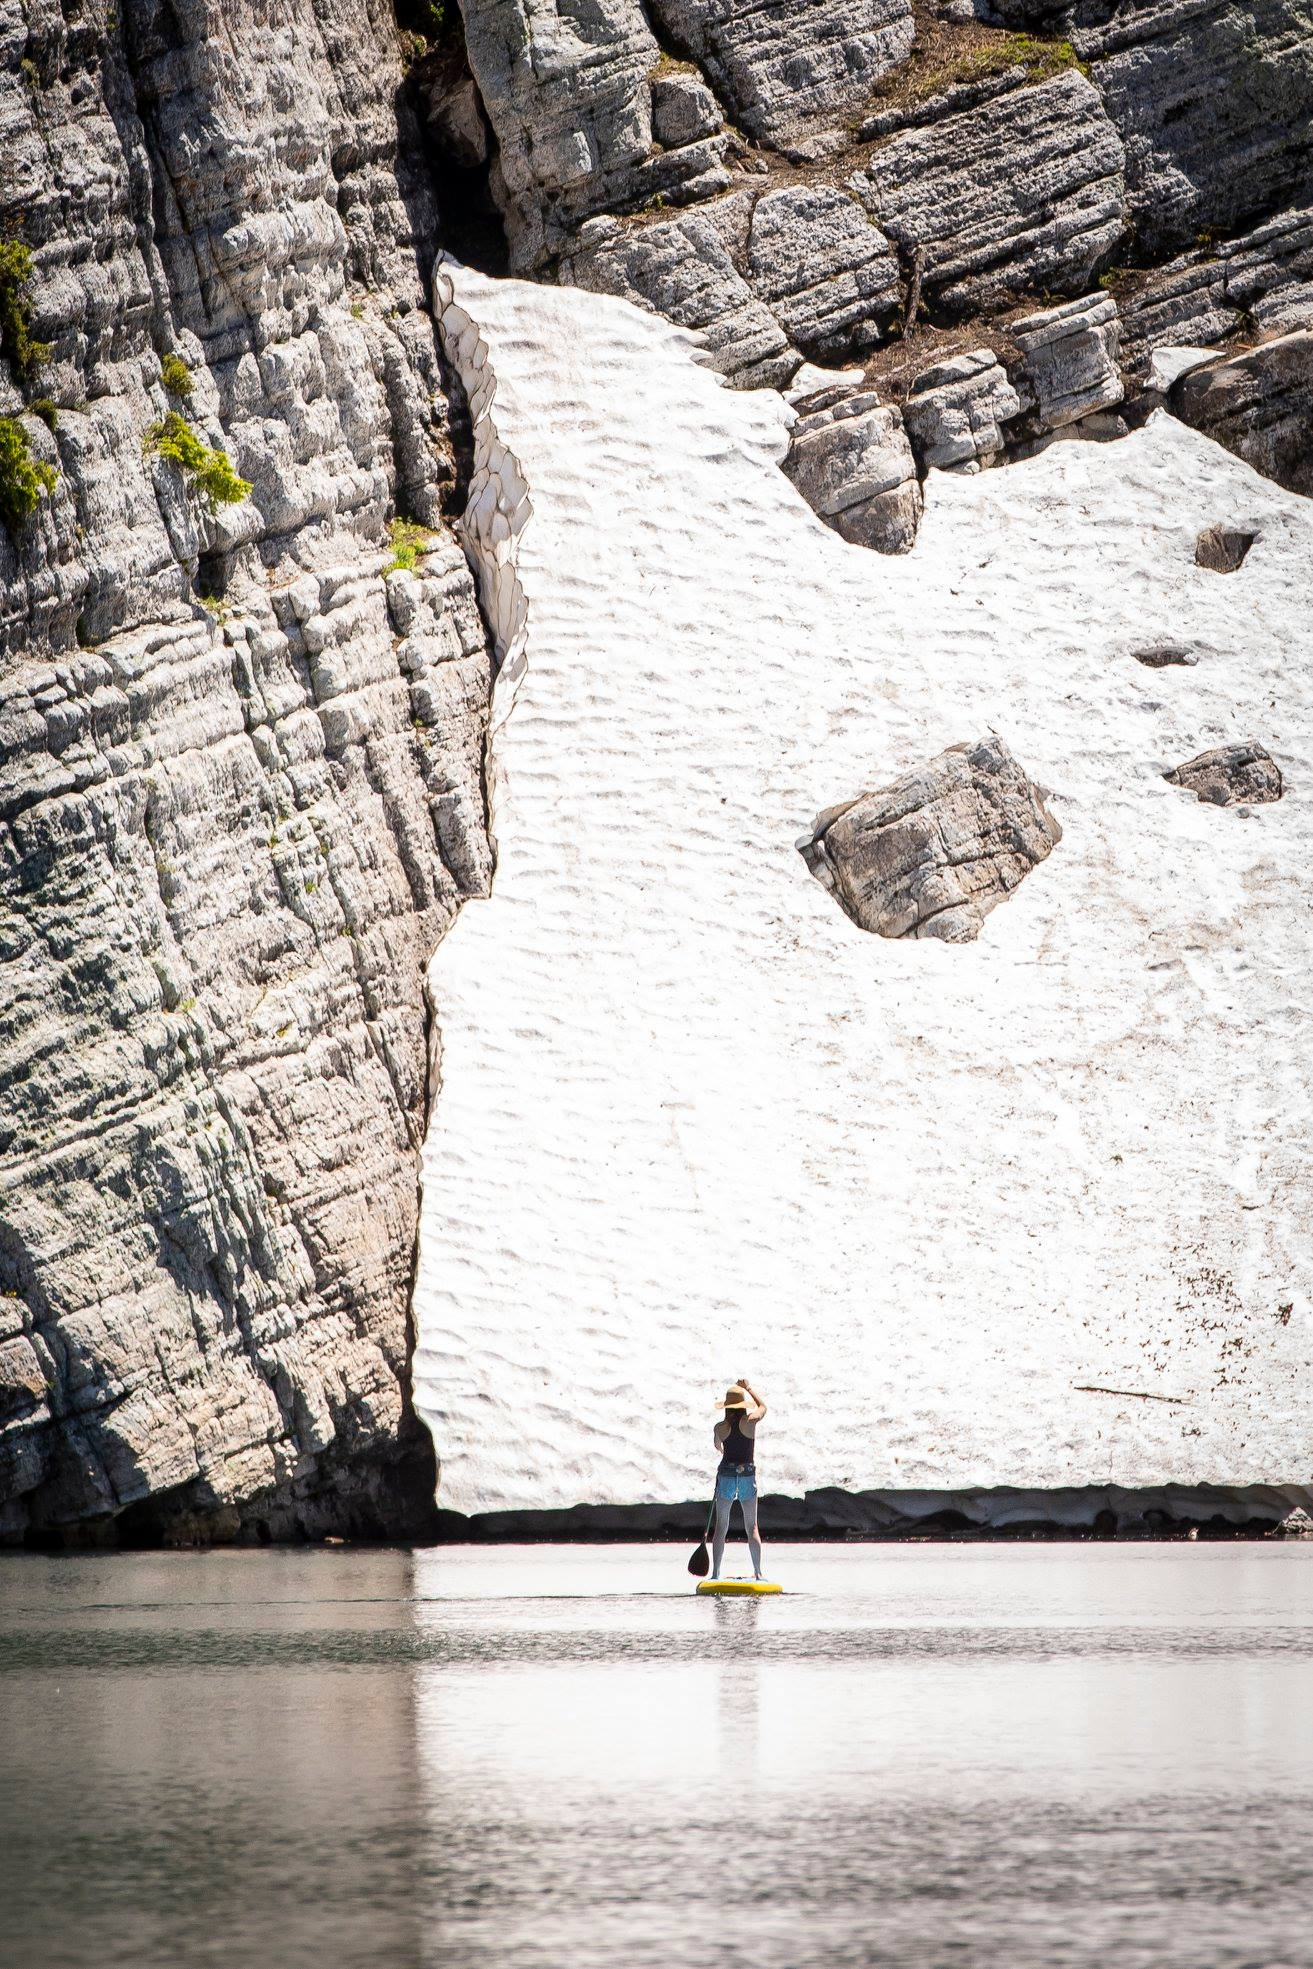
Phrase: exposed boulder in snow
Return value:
(1214, 99)
(955, 410)
(1259, 404)
(687, 269)
(1223, 548)
(828, 275)
(786, 65)
(1230, 776)
(931, 854)
(1165, 656)
(1022, 194)
(1068, 366)
(850, 459)
(683, 109)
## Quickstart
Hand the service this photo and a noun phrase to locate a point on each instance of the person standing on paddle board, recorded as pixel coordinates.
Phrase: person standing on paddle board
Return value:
(736, 1479)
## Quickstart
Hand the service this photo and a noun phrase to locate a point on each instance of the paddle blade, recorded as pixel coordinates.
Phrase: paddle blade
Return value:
(700, 1564)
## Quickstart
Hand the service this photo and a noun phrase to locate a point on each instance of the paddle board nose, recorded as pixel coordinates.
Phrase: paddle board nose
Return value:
(738, 1586)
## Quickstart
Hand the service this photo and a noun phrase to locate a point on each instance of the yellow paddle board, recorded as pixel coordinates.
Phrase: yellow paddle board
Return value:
(738, 1586)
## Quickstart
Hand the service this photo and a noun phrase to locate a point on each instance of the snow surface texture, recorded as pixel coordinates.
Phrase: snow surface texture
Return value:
(693, 1122)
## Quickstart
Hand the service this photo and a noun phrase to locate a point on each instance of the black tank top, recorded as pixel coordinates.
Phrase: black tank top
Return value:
(736, 1448)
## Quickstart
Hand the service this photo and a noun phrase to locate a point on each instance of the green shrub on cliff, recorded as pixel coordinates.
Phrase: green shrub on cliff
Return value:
(207, 470)
(23, 478)
(176, 377)
(19, 347)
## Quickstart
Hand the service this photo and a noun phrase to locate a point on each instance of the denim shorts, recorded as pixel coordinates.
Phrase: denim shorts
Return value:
(736, 1486)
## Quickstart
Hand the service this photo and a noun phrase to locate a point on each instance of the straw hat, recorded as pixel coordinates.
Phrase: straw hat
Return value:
(734, 1398)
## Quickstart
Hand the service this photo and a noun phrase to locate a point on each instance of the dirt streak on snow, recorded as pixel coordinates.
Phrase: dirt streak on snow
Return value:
(693, 1122)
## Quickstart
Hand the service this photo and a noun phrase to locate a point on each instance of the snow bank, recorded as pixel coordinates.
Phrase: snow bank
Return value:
(937, 1200)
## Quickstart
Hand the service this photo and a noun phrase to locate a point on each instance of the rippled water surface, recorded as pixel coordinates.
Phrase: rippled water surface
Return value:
(558, 1757)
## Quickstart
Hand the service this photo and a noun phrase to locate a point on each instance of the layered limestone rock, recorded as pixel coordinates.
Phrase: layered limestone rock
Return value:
(1069, 367)
(786, 67)
(1214, 101)
(955, 411)
(688, 269)
(829, 277)
(241, 770)
(932, 853)
(570, 97)
(850, 459)
(1259, 404)
(1023, 194)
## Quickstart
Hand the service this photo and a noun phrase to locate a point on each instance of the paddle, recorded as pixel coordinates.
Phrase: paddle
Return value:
(700, 1564)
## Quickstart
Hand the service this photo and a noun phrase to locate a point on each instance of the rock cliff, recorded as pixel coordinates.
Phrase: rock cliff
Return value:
(242, 770)
(246, 676)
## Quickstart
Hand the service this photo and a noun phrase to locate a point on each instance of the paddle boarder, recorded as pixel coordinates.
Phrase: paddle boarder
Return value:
(736, 1479)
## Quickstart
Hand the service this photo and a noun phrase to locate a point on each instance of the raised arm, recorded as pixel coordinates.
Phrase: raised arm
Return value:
(754, 1414)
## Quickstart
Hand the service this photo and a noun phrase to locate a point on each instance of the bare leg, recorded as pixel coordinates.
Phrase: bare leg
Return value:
(748, 1506)
(719, 1535)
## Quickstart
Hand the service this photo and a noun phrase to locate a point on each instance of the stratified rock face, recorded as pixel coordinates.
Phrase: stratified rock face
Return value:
(569, 94)
(235, 827)
(1231, 776)
(955, 410)
(1258, 404)
(1068, 366)
(784, 65)
(1214, 101)
(1023, 194)
(826, 273)
(683, 110)
(850, 459)
(934, 852)
(687, 269)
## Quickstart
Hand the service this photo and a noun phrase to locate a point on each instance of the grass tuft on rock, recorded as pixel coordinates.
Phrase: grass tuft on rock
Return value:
(949, 56)
(409, 542)
(207, 470)
(23, 478)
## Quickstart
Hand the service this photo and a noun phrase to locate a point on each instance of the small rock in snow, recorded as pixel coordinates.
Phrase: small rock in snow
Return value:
(1230, 774)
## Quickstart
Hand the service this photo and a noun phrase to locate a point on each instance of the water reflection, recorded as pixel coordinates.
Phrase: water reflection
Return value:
(552, 1759)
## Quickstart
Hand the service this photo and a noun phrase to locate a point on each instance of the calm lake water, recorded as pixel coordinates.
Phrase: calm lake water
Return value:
(557, 1757)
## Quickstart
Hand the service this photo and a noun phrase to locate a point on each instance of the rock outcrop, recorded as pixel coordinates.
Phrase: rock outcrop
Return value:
(850, 459)
(1259, 404)
(569, 95)
(931, 854)
(1230, 776)
(1214, 101)
(1069, 367)
(787, 66)
(828, 275)
(1022, 195)
(687, 269)
(241, 771)
(955, 411)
